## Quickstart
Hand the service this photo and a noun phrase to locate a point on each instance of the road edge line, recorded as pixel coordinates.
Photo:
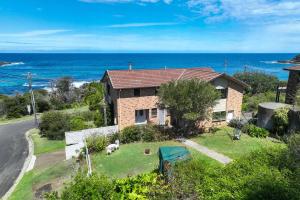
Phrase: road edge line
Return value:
(25, 165)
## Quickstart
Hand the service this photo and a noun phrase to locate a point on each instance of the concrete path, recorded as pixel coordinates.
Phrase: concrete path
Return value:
(13, 152)
(210, 153)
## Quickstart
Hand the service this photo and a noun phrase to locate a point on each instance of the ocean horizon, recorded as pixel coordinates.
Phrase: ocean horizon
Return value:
(87, 67)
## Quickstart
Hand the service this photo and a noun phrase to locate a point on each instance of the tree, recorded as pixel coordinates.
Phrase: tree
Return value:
(189, 101)
(94, 96)
(16, 106)
(54, 124)
(259, 82)
(64, 87)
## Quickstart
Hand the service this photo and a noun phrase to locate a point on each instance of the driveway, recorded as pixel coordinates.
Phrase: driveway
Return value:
(13, 152)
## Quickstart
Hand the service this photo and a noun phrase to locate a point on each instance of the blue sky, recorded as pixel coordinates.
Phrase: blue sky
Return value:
(150, 26)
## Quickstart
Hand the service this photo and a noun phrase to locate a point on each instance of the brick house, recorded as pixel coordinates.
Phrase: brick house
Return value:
(132, 94)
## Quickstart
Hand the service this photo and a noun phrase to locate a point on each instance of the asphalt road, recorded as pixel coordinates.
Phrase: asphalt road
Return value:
(13, 152)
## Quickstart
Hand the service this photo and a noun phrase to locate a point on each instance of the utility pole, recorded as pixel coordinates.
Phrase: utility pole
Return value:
(29, 78)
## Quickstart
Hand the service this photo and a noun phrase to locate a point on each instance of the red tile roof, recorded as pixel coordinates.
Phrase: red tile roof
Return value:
(121, 79)
(293, 68)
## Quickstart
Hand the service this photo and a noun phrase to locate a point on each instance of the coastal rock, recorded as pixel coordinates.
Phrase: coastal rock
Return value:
(4, 63)
(295, 60)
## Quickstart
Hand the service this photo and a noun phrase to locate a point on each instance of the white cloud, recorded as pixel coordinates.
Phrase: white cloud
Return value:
(126, 1)
(34, 33)
(141, 24)
(244, 9)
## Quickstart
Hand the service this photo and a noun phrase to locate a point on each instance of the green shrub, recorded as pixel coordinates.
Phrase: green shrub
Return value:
(251, 102)
(96, 143)
(255, 131)
(77, 123)
(280, 121)
(146, 133)
(42, 105)
(184, 182)
(236, 123)
(98, 119)
(259, 82)
(87, 115)
(113, 137)
(88, 188)
(16, 106)
(54, 124)
(143, 186)
(261, 175)
(131, 134)
(57, 104)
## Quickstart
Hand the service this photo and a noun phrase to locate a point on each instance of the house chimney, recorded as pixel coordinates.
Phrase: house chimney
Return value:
(130, 66)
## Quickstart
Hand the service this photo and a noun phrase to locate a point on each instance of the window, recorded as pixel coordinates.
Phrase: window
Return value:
(219, 116)
(224, 93)
(154, 112)
(137, 92)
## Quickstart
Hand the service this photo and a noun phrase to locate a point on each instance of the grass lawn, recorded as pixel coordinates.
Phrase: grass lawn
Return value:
(36, 178)
(4, 120)
(75, 110)
(221, 142)
(43, 145)
(130, 159)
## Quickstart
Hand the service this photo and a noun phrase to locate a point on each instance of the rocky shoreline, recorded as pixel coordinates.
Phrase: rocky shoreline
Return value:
(295, 60)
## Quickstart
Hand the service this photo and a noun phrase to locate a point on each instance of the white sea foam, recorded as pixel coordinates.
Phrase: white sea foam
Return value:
(78, 84)
(35, 85)
(274, 62)
(48, 89)
(13, 63)
(270, 62)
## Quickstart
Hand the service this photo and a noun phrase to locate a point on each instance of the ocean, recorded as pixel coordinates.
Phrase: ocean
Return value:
(88, 67)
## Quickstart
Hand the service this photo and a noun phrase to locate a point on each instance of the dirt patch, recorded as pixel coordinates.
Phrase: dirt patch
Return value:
(47, 159)
(53, 185)
(39, 193)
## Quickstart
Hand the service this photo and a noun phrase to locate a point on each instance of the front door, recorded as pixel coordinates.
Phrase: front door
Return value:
(161, 116)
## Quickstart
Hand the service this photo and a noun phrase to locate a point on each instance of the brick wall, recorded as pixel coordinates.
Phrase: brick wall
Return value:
(234, 99)
(128, 104)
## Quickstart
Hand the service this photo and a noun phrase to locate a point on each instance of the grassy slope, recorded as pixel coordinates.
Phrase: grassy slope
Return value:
(34, 178)
(43, 145)
(9, 121)
(130, 159)
(4, 120)
(221, 142)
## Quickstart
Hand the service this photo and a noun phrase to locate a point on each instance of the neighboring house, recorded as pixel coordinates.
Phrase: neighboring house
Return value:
(132, 94)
